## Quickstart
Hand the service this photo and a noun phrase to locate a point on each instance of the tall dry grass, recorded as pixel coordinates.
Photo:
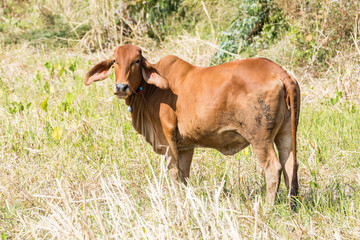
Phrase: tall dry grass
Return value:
(101, 16)
(84, 173)
(165, 212)
(100, 179)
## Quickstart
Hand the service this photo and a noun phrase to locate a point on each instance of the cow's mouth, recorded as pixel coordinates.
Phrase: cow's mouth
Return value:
(121, 95)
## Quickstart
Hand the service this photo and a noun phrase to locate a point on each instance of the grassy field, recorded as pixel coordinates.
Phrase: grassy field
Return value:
(72, 166)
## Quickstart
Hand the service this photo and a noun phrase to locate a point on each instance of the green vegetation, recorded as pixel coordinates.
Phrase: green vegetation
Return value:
(258, 23)
(73, 167)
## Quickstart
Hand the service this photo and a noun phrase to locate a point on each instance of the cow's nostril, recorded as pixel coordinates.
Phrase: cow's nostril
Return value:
(121, 87)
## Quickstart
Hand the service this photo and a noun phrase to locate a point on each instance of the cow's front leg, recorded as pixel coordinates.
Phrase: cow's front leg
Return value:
(180, 160)
(179, 164)
(185, 158)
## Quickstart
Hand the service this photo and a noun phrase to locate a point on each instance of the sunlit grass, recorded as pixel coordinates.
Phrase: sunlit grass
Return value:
(77, 169)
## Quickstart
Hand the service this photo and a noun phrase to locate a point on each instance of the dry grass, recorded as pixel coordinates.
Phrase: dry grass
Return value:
(76, 169)
(100, 179)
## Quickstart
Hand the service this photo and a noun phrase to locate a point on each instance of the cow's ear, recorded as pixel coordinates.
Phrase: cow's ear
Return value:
(99, 72)
(151, 75)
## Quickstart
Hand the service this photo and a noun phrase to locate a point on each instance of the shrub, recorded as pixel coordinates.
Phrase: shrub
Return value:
(319, 28)
(258, 24)
(154, 15)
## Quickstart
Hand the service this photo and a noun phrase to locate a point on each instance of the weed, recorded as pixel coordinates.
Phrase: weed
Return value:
(17, 107)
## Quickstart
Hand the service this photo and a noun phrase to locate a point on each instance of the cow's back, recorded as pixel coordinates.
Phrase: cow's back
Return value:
(222, 106)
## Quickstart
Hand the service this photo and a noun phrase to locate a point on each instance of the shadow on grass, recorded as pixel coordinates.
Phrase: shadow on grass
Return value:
(335, 197)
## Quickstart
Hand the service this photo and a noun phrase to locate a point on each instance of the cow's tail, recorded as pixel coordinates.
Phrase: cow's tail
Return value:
(293, 102)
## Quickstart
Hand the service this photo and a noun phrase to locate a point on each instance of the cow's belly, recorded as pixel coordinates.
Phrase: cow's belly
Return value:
(226, 141)
(230, 142)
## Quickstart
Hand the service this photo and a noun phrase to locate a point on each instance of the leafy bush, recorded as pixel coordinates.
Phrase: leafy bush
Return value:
(319, 28)
(154, 14)
(258, 24)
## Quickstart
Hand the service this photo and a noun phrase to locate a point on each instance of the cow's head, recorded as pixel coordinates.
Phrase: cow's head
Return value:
(130, 69)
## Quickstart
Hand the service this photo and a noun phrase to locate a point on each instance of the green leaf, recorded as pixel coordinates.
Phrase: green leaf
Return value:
(66, 105)
(38, 76)
(47, 87)
(62, 69)
(12, 110)
(56, 133)
(72, 67)
(44, 104)
(353, 110)
(3, 236)
(334, 100)
(28, 105)
(313, 184)
(48, 65)
(52, 71)
(69, 98)
(338, 93)
(337, 98)
(63, 107)
(17, 107)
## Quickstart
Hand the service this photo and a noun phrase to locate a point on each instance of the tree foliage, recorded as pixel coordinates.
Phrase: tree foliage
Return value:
(257, 24)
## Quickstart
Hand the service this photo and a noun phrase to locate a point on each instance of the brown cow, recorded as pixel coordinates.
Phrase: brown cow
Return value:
(179, 106)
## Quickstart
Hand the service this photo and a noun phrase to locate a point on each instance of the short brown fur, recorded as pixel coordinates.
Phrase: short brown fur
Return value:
(226, 107)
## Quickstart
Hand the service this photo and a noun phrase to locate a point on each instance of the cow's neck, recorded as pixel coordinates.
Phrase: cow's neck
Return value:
(139, 103)
(174, 69)
(142, 119)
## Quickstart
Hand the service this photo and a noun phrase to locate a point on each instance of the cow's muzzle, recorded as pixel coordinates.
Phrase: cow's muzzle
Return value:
(120, 87)
(122, 90)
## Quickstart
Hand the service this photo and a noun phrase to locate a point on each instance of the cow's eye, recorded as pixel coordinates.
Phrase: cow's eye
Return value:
(137, 61)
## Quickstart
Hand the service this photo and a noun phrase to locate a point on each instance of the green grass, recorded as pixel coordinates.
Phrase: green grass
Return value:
(73, 166)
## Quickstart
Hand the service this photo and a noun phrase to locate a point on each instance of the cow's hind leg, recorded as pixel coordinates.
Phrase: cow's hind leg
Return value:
(284, 146)
(268, 160)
